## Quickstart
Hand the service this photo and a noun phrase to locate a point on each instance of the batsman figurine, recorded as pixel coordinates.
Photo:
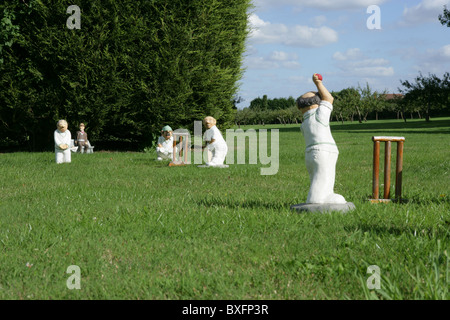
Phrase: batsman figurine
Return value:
(215, 143)
(321, 152)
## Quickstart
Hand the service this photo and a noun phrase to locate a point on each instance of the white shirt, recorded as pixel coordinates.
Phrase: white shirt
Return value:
(214, 133)
(316, 128)
(62, 138)
(167, 145)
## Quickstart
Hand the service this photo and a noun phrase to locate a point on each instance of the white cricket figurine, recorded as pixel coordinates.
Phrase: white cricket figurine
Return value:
(164, 148)
(215, 143)
(62, 137)
(321, 152)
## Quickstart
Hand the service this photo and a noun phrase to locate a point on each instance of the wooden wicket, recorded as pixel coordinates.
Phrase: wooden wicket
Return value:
(184, 149)
(387, 168)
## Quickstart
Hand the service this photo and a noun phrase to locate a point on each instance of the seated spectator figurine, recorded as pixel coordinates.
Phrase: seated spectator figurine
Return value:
(164, 147)
(62, 139)
(215, 143)
(82, 140)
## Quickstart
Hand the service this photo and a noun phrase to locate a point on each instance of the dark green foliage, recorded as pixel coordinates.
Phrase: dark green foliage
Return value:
(271, 104)
(427, 93)
(133, 67)
(444, 18)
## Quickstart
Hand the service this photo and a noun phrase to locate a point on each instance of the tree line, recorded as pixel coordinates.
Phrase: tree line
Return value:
(422, 97)
(131, 68)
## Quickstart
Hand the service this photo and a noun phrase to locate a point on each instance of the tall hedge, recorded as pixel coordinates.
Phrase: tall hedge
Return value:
(132, 67)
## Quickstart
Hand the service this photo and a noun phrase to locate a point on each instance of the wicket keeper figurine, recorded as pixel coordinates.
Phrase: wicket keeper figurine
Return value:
(164, 148)
(321, 152)
(62, 138)
(215, 143)
(82, 140)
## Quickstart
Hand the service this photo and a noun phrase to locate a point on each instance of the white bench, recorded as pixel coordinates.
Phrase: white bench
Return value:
(73, 148)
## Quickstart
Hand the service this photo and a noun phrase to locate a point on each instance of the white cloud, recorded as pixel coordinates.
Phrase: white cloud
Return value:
(373, 71)
(426, 11)
(434, 60)
(445, 51)
(350, 54)
(256, 22)
(259, 63)
(283, 56)
(319, 4)
(318, 21)
(275, 60)
(354, 62)
(441, 54)
(263, 32)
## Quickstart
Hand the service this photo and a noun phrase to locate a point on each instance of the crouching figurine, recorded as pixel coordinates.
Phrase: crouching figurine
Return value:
(164, 147)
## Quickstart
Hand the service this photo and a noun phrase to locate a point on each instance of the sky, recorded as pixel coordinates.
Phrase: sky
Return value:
(350, 43)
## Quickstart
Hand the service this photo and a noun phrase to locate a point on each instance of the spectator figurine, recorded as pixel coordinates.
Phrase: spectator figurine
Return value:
(164, 147)
(62, 139)
(321, 152)
(215, 143)
(82, 140)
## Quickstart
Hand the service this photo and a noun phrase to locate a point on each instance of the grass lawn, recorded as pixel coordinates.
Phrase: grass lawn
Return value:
(139, 229)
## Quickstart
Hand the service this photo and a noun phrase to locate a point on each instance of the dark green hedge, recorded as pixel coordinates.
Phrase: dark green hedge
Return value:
(133, 67)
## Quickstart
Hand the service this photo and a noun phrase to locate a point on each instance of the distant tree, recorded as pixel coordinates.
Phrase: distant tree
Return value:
(347, 103)
(265, 103)
(395, 103)
(427, 93)
(444, 18)
(371, 101)
(256, 104)
(338, 106)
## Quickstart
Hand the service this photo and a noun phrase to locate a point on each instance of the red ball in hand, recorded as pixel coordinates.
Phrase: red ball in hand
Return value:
(319, 76)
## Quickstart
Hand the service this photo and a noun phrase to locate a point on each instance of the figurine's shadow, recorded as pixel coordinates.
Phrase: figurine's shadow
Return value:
(241, 204)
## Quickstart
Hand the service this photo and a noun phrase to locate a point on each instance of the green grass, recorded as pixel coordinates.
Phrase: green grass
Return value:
(141, 230)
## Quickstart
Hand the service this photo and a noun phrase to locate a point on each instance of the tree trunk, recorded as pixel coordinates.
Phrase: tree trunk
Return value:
(359, 115)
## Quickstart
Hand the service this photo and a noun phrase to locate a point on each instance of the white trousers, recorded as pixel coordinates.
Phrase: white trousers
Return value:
(165, 155)
(219, 152)
(62, 156)
(321, 166)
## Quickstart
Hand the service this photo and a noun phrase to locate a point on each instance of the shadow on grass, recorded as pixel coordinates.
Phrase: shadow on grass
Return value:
(415, 127)
(382, 126)
(242, 204)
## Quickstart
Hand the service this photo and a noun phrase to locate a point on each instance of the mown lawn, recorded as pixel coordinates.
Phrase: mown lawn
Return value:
(139, 229)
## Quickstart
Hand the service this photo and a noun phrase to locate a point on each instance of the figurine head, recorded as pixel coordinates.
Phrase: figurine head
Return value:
(62, 125)
(166, 132)
(209, 122)
(82, 126)
(308, 99)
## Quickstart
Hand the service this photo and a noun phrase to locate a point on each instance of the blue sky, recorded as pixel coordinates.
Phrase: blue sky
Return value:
(292, 39)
